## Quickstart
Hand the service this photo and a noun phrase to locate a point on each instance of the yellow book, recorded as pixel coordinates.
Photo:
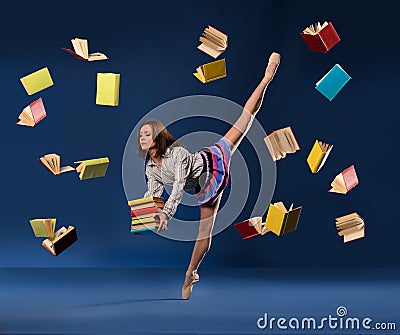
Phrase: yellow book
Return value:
(318, 155)
(136, 202)
(280, 220)
(211, 71)
(43, 227)
(37, 81)
(92, 168)
(107, 92)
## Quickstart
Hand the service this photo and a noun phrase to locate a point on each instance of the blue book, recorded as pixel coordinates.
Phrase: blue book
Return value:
(140, 231)
(330, 84)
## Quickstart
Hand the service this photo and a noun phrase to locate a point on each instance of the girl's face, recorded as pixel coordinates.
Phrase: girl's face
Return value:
(146, 138)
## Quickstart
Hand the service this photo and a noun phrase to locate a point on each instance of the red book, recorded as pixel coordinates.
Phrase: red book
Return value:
(251, 227)
(345, 181)
(144, 211)
(32, 114)
(320, 38)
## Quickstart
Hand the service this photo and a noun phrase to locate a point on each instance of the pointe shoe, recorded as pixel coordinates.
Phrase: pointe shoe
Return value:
(273, 63)
(187, 290)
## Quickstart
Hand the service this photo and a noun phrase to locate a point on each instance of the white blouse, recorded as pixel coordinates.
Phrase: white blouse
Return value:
(180, 168)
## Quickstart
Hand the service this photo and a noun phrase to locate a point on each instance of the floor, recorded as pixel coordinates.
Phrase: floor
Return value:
(225, 301)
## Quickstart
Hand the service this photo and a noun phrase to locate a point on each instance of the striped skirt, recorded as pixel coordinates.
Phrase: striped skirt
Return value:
(215, 174)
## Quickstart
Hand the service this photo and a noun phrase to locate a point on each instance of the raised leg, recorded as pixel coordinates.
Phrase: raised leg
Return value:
(253, 105)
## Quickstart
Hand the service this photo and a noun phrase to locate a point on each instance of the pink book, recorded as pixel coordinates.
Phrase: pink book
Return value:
(345, 181)
(32, 114)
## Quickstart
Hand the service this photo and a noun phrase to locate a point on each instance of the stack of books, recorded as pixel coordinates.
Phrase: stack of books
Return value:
(143, 212)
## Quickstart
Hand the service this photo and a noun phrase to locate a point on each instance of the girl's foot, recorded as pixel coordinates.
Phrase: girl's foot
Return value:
(190, 280)
(272, 66)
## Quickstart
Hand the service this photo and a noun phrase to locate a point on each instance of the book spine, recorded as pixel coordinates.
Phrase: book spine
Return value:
(329, 36)
(143, 211)
(314, 42)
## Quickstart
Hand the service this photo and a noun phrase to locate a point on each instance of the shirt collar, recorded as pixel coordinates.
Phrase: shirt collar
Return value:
(167, 153)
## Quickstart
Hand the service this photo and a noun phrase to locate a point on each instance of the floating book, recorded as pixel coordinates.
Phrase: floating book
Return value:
(280, 220)
(63, 238)
(211, 71)
(318, 155)
(107, 91)
(37, 81)
(350, 226)
(251, 227)
(81, 51)
(344, 181)
(92, 168)
(281, 142)
(52, 162)
(43, 227)
(330, 84)
(319, 37)
(213, 42)
(32, 114)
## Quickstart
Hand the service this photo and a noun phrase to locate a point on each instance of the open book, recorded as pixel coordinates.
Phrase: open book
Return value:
(32, 114)
(318, 155)
(62, 239)
(350, 226)
(345, 181)
(281, 142)
(52, 162)
(251, 227)
(81, 51)
(213, 42)
(92, 168)
(43, 227)
(211, 71)
(320, 37)
(281, 220)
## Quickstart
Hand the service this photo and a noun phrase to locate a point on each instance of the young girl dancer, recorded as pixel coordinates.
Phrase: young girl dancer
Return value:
(205, 171)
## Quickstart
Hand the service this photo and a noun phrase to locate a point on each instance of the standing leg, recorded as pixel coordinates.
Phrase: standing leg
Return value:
(201, 247)
(253, 105)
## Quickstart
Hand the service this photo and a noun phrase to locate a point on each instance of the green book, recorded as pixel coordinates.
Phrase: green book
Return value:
(107, 92)
(37, 81)
(92, 168)
(43, 227)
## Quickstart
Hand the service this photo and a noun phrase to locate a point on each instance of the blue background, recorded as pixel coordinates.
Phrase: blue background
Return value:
(153, 46)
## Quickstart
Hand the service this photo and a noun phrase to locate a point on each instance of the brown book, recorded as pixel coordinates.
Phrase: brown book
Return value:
(62, 239)
(213, 42)
(281, 142)
(52, 162)
(351, 227)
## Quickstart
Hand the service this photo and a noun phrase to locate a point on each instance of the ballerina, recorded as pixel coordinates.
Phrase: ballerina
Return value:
(206, 171)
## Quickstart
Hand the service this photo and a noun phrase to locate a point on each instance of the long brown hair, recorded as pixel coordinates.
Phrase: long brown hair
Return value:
(161, 136)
